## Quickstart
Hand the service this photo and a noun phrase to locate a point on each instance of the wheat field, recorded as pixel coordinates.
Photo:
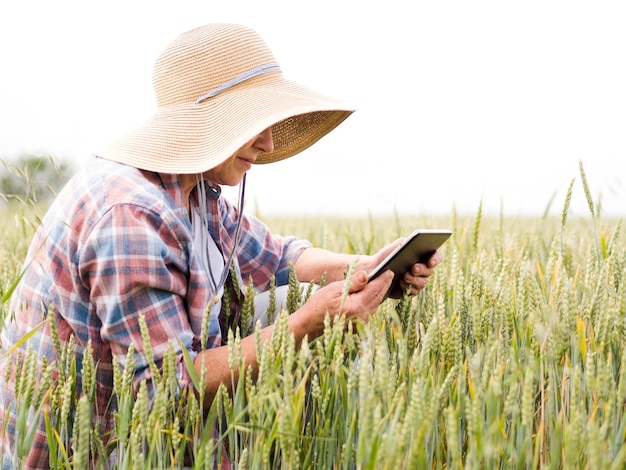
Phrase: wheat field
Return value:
(510, 358)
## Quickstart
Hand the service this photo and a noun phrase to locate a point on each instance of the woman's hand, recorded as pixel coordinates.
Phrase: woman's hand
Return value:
(360, 303)
(416, 277)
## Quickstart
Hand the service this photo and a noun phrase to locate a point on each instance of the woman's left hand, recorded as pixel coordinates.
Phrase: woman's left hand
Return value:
(417, 277)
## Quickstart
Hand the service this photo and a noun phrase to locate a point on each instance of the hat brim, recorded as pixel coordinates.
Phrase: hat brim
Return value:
(190, 138)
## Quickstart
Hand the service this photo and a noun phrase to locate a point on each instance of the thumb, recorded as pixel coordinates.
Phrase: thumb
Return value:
(358, 281)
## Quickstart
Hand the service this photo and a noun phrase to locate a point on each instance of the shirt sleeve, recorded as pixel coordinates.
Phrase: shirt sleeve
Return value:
(133, 265)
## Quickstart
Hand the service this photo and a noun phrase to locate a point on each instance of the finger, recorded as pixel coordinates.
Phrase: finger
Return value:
(358, 281)
(376, 291)
(416, 283)
(435, 259)
(419, 270)
(381, 282)
(427, 269)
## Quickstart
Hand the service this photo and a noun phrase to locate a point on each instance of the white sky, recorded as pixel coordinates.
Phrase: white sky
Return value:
(459, 101)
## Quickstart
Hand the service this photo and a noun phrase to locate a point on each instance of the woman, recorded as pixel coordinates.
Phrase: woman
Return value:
(142, 231)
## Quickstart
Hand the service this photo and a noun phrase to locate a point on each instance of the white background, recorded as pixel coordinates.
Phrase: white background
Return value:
(458, 101)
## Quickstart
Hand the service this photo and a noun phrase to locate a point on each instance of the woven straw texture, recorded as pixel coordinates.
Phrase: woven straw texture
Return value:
(184, 137)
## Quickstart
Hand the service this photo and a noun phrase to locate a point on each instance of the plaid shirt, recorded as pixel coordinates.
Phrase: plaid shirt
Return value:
(116, 244)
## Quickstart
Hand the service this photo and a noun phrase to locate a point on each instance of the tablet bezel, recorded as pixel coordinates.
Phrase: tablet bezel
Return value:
(419, 246)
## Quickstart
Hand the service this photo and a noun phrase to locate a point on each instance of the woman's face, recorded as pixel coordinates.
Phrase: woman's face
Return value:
(231, 171)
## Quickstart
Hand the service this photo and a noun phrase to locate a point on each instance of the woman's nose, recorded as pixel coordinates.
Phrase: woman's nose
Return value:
(265, 141)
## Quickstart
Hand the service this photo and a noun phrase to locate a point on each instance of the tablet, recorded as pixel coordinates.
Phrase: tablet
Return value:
(417, 247)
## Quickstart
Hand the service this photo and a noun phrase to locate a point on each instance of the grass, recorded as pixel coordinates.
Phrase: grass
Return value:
(510, 358)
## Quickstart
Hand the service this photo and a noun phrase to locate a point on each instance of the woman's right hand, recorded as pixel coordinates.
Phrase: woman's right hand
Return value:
(361, 302)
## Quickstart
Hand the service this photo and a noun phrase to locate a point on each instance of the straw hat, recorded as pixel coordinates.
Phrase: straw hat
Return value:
(217, 87)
